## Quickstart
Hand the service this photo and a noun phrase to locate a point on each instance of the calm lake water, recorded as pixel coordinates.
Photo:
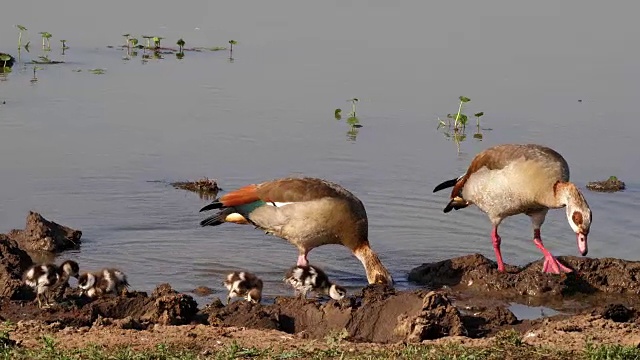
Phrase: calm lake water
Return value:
(87, 150)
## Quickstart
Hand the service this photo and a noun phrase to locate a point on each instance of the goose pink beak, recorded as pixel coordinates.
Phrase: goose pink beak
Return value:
(582, 243)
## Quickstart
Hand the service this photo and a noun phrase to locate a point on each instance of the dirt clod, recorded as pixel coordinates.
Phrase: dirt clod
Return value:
(617, 313)
(41, 234)
(612, 184)
(206, 188)
(202, 291)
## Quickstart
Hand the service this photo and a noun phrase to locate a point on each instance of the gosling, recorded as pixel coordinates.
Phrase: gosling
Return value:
(311, 278)
(105, 281)
(244, 284)
(44, 277)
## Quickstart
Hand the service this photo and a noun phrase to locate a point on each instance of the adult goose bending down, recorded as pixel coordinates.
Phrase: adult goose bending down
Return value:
(529, 179)
(308, 213)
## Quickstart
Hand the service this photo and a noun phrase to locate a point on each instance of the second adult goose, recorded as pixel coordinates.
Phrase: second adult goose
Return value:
(307, 212)
(529, 179)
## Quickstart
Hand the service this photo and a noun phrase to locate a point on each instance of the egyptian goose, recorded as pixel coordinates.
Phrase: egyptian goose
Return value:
(243, 284)
(529, 179)
(311, 278)
(308, 213)
(43, 277)
(103, 282)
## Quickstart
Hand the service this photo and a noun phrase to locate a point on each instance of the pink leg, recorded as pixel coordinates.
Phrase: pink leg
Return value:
(302, 260)
(495, 238)
(551, 265)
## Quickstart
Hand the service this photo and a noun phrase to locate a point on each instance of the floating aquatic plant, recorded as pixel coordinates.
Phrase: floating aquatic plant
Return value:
(5, 59)
(97, 71)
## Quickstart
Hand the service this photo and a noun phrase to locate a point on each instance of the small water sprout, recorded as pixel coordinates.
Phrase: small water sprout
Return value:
(126, 39)
(456, 124)
(21, 29)
(352, 119)
(180, 43)
(231, 43)
(35, 78)
(46, 40)
(148, 38)
(64, 44)
(156, 41)
(478, 134)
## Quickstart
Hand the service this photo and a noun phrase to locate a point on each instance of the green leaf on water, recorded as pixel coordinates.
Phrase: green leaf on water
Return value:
(6, 69)
(613, 178)
(22, 28)
(338, 114)
(478, 114)
(233, 42)
(5, 57)
(464, 99)
(180, 42)
(462, 119)
(477, 136)
(216, 48)
(97, 71)
(353, 121)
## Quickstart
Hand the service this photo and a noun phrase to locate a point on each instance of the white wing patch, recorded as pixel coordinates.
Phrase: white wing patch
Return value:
(279, 204)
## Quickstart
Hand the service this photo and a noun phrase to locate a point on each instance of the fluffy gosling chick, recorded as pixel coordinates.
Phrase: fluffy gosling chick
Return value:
(44, 277)
(105, 281)
(311, 278)
(243, 284)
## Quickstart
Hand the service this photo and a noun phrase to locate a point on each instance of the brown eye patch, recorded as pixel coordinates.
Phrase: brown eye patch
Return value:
(577, 218)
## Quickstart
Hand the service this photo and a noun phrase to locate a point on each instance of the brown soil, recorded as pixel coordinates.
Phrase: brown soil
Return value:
(466, 303)
(41, 234)
(206, 188)
(612, 184)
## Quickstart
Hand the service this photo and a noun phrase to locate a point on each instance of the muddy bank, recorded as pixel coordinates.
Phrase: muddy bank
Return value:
(41, 234)
(378, 314)
(138, 310)
(475, 273)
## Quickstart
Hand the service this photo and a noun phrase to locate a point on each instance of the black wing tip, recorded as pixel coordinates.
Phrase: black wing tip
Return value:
(212, 221)
(214, 205)
(446, 184)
